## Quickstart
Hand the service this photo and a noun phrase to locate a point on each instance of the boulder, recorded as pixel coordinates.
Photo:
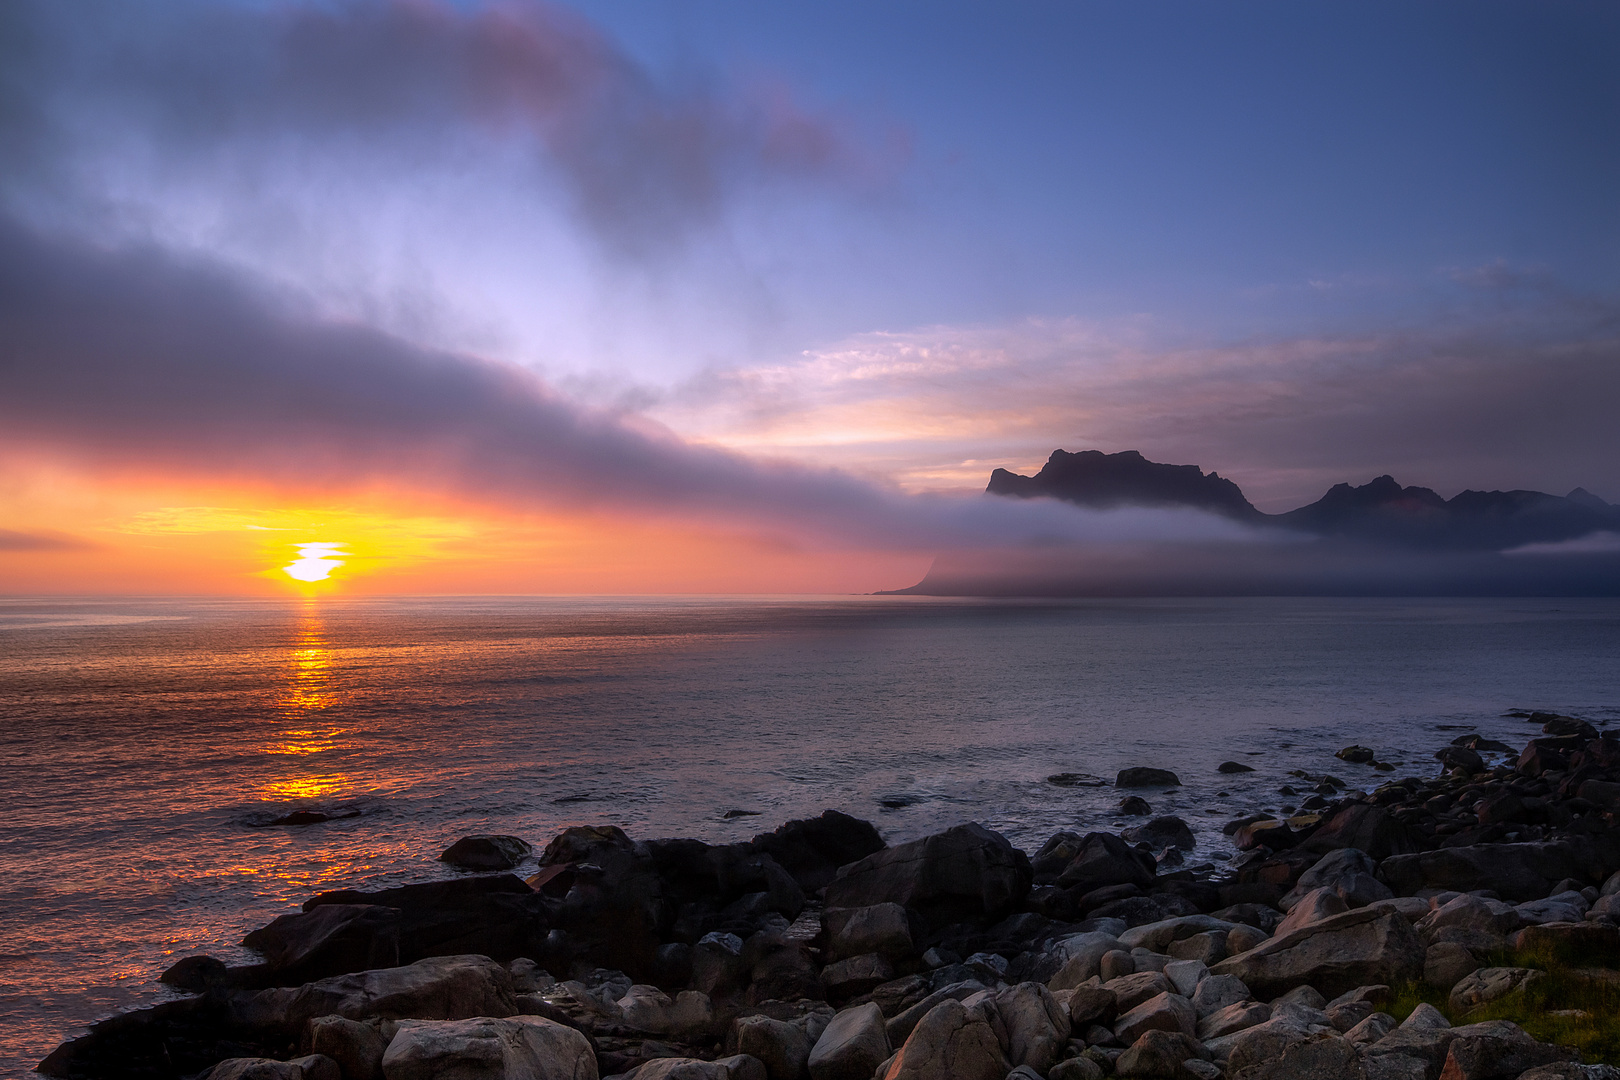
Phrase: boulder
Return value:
(1157, 936)
(812, 849)
(329, 940)
(1163, 1012)
(900, 1026)
(780, 969)
(1491, 984)
(312, 1067)
(1257, 1044)
(1490, 917)
(1498, 1050)
(856, 975)
(1314, 906)
(1216, 992)
(1238, 1016)
(1159, 1054)
(783, 1048)
(438, 988)
(494, 915)
(1367, 828)
(1087, 1005)
(880, 928)
(356, 1047)
(1132, 990)
(1233, 767)
(965, 874)
(1348, 872)
(1445, 963)
(1580, 942)
(1080, 956)
(1077, 1068)
(1320, 1056)
(1036, 1026)
(1335, 954)
(688, 1016)
(494, 852)
(1162, 832)
(1515, 872)
(519, 1048)
(853, 1045)
(1185, 975)
(1141, 776)
(954, 1041)
(1203, 949)
(1103, 859)
(1370, 1029)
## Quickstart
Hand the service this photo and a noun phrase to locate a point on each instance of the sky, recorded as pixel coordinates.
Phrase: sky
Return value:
(727, 297)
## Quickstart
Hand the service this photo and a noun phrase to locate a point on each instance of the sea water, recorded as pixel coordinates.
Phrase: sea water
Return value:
(146, 745)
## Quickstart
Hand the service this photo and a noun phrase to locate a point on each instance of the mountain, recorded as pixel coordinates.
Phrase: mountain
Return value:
(1380, 512)
(1093, 478)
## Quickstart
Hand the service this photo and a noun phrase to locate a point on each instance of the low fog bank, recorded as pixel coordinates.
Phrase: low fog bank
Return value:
(1223, 568)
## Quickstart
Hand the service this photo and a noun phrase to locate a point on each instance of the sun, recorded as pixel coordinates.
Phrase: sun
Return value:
(315, 562)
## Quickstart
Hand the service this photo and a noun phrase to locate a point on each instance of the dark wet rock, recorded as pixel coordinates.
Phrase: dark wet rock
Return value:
(438, 988)
(1367, 828)
(523, 1046)
(1233, 767)
(330, 939)
(781, 970)
(1356, 755)
(1159, 1053)
(843, 979)
(1460, 758)
(491, 852)
(1498, 1050)
(965, 874)
(1569, 725)
(1516, 871)
(302, 817)
(1135, 806)
(1348, 872)
(355, 1045)
(497, 916)
(194, 974)
(308, 1067)
(1141, 776)
(1102, 859)
(1162, 832)
(881, 928)
(177, 1037)
(852, 1046)
(1075, 779)
(812, 849)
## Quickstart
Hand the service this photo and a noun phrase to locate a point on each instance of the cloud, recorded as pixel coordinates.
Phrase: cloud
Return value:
(134, 360)
(1596, 543)
(97, 92)
(12, 540)
(1523, 398)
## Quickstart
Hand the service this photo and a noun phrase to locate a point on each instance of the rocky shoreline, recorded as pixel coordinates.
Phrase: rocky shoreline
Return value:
(1396, 933)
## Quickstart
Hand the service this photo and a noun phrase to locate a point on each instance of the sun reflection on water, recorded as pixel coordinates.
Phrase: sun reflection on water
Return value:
(305, 730)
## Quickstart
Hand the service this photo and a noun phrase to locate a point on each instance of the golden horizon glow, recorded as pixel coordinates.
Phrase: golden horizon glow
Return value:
(315, 562)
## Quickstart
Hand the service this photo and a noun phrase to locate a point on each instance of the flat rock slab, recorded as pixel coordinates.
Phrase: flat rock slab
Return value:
(1334, 955)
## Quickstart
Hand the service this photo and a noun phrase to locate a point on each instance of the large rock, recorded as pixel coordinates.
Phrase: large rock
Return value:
(1515, 872)
(813, 849)
(900, 1026)
(1163, 1012)
(954, 1041)
(1233, 1018)
(1319, 1056)
(1103, 859)
(487, 1048)
(1142, 776)
(1036, 1026)
(311, 1067)
(844, 979)
(1216, 992)
(492, 852)
(965, 874)
(853, 1045)
(1487, 985)
(1159, 1054)
(1131, 990)
(438, 988)
(329, 940)
(1080, 956)
(357, 1047)
(1367, 828)
(1357, 948)
(1314, 906)
(1348, 872)
(494, 915)
(688, 1016)
(880, 928)
(1497, 1050)
(783, 1048)
(1162, 832)
(1158, 936)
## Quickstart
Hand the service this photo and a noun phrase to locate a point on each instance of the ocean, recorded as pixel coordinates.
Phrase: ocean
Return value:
(146, 744)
